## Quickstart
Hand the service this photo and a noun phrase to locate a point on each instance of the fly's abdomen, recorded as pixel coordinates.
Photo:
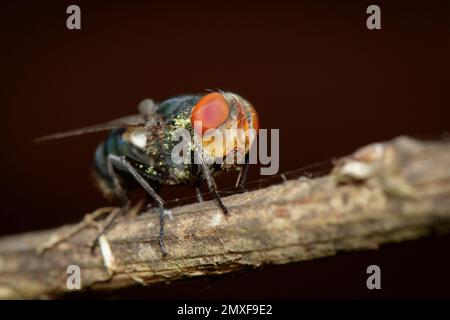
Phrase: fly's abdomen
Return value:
(116, 144)
(102, 176)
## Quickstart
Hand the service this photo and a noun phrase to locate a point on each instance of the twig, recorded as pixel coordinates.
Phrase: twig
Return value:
(385, 192)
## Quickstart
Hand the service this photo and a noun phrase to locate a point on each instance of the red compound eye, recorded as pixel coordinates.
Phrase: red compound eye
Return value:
(212, 110)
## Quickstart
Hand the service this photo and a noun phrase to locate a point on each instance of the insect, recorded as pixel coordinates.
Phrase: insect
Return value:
(138, 150)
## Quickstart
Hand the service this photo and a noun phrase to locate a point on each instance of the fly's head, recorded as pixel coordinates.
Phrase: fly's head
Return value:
(227, 125)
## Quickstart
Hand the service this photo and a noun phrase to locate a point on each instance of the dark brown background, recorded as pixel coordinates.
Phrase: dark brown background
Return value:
(311, 68)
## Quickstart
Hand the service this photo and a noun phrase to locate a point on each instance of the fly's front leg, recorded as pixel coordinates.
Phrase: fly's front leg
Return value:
(122, 163)
(212, 186)
(242, 178)
(198, 192)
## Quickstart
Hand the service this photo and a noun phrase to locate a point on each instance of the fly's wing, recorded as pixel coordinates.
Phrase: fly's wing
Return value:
(146, 108)
(129, 121)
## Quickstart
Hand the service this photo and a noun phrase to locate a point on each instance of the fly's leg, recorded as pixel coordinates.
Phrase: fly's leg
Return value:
(212, 186)
(134, 212)
(90, 219)
(120, 162)
(198, 192)
(120, 194)
(242, 178)
(108, 223)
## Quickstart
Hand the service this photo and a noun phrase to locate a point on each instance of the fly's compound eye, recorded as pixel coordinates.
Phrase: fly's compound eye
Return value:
(212, 110)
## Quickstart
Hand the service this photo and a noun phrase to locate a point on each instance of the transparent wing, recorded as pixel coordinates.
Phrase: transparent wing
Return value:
(128, 121)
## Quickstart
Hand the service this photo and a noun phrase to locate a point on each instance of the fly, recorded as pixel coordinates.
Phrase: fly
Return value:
(138, 149)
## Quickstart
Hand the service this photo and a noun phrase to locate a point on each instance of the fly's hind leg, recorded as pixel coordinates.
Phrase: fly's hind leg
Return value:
(119, 193)
(120, 162)
(90, 220)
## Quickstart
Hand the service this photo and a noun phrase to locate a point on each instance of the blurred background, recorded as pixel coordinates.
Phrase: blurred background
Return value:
(311, 69)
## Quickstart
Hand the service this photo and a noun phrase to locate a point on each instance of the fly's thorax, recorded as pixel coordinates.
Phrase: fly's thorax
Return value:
(148, 138)
(152, 145)
(179, 130)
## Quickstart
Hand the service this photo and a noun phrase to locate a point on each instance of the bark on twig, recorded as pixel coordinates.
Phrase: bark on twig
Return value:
(385, 192)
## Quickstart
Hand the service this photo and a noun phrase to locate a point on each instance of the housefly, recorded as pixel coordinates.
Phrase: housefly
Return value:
(138, 149)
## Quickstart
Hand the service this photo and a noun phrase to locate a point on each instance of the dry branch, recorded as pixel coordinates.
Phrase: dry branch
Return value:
(385, 192)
